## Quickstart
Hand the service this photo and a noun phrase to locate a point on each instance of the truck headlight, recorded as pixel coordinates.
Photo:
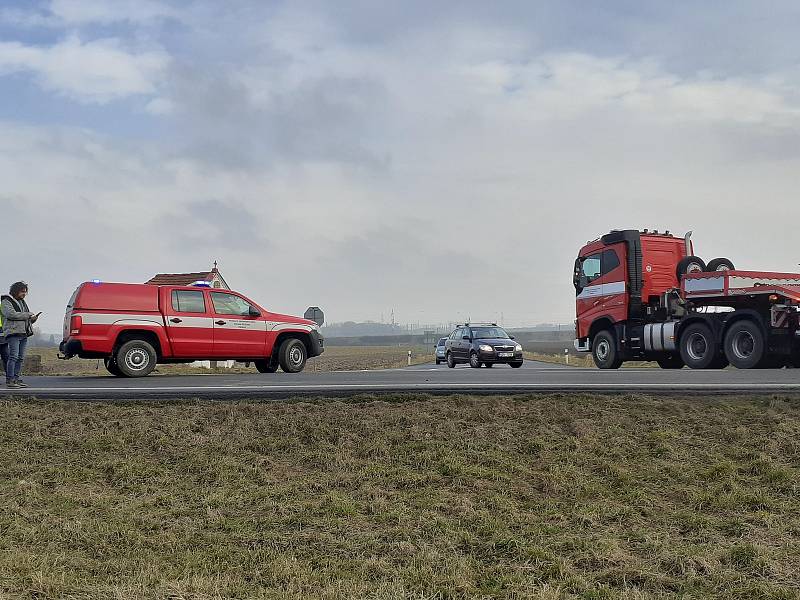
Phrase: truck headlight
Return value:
(518, 348)
(485, 348)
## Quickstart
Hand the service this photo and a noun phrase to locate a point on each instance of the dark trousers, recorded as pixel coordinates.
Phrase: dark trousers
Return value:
(4, 355)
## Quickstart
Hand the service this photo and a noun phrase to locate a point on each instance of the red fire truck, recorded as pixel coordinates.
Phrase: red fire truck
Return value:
(646, 296)
(133, 327)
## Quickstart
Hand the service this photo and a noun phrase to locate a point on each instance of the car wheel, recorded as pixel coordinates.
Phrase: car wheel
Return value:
(474, 361)
(292, 355)
(698, 348)
(111, 367)
(136, 358)
(604, 351)
(515, 365)
(266, 366)
(450, 360)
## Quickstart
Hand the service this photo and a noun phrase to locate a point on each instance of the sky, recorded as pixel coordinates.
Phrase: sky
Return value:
(442, 159)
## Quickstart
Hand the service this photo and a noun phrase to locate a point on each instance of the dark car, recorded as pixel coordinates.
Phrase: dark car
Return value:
(482, 344)
(439, 350)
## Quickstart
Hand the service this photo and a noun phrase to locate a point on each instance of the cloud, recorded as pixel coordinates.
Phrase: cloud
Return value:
(96, 71)
(76, 13)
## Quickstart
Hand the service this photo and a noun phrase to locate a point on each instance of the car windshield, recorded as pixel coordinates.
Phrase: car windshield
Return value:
(486, 333)
(441, 341)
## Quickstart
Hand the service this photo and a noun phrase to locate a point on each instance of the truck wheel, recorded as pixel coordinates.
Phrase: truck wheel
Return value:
(266, 366)
(135, 358)
(689, 264)
(698, 348)
(604, 351)
(670, 361)
(292, 355)
(450, 360)
(474, 362)
(111, 366)
(720, 264)
(744, 345)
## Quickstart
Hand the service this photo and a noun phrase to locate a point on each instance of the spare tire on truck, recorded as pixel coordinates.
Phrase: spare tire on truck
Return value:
(689, 264)
(719, 264)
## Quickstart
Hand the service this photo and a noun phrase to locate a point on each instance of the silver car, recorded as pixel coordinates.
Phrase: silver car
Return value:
(439, 350)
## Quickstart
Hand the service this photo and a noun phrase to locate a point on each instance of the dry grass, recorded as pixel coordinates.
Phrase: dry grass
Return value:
(335, 358)
(406, 497)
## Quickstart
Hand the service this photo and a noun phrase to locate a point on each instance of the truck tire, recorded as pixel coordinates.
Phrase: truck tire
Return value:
(745, 346)
(698, 348)
(292, 355)
(719, 264)
(604, 351)
(111, 366)
(451, 363)
(266, 366)
(670, 361)
(689, 264)
(136, 358)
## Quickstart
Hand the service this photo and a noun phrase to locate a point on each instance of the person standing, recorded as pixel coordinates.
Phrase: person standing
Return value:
(3, 346)
(18, 323)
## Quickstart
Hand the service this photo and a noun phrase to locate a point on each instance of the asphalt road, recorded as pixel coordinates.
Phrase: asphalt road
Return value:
(532, 377)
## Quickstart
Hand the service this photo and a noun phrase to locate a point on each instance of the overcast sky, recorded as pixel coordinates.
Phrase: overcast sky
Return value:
(445, 159)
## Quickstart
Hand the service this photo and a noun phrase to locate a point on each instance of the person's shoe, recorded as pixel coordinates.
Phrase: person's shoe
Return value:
(21, 383)
(12, 385)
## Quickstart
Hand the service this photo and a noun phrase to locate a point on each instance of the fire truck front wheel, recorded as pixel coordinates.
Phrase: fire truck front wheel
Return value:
(292, 355)
(699, 349)
(604, 351)
(135, 358)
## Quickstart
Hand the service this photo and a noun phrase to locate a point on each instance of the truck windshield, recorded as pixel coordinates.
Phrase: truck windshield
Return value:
(488, 333)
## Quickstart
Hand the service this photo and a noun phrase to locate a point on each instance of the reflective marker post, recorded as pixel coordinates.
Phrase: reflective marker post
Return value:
(566, 355)
(409, 358)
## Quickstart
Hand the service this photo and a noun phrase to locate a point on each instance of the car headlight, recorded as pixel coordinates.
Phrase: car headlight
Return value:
(518, 348)
(485, 348)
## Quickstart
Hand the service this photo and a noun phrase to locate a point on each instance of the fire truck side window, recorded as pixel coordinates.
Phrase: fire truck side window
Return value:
(591, 267)
(228, 304)
(610, 261)
(188, 302)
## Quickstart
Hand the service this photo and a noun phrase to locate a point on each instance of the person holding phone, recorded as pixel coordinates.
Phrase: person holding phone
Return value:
(18, 323)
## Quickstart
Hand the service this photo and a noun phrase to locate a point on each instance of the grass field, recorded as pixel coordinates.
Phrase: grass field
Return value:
(405, 497)
(335, 358)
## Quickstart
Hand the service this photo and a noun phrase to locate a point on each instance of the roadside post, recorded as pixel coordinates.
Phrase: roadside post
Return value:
(566, 355)
(409, 358)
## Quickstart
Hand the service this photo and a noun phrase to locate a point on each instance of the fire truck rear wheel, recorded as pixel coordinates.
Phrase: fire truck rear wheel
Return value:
(266, 366)
(292, 355)
(698, 347)
(719, 264)
(604, 351)
(111, 367)
(690, 264)
(135, 358)
(745, 346)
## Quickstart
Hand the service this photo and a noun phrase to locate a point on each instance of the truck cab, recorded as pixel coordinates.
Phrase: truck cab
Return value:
(133, 327)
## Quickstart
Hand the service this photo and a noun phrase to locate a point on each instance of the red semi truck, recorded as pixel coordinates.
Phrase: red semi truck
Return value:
(133, 327)
(645, 296)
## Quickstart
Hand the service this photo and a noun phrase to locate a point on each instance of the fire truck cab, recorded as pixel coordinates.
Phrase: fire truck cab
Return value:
(646, 296)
